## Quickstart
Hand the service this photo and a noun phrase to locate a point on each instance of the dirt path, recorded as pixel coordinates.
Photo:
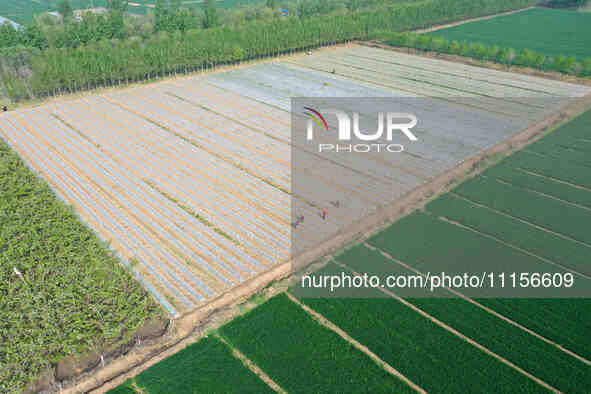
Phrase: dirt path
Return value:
(253, 367)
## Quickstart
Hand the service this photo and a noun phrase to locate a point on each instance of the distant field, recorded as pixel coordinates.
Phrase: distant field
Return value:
(22, 11)
(547, 31)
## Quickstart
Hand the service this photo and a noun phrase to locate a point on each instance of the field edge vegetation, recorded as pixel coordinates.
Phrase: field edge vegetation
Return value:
(63, 292)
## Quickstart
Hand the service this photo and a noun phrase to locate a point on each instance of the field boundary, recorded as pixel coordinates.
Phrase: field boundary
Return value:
(480, 18)
(191, 326)
(252, 366)
(553, 75)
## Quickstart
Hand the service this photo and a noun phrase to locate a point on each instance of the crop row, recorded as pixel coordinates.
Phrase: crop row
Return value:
(398, 70)
(536, 86)
(569, 141)
(424, 352)
(374, 321)
(431, 244)
(506, 340)
(565, 321)
(558, 216)
(532, 181)
(565, 153)
(560, 168)
(302, 356)
(542, 243)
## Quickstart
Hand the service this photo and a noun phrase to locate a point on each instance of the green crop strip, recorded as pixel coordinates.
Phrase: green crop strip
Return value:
(549, 40)
(547, 31)
(389, 329)
(424, 352)
(302, 356)
(62, 291)
(567, 220)
(542, 243)
(207, 366)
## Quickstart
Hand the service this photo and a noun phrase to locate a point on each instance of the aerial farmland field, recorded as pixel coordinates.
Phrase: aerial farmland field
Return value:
(544, 339)
(546, 31)
(195, 200)
(190, 179)
(527, 213)
(206, 366)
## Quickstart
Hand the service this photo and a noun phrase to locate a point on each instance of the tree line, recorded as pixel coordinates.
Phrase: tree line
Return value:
(117, 61)
(168, 15)
(480, 51)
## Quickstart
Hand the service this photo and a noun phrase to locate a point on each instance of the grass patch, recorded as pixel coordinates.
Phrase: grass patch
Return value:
(302, 356)
(207, 366)
(71, 293)
(551, 32)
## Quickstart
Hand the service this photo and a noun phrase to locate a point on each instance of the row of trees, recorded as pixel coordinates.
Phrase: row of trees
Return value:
(111, 62)
(168, 15)
(508, 56)
(565, 3)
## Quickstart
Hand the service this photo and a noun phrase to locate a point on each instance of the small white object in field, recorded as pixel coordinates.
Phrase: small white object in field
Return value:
(309, 52)
(16, 271)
